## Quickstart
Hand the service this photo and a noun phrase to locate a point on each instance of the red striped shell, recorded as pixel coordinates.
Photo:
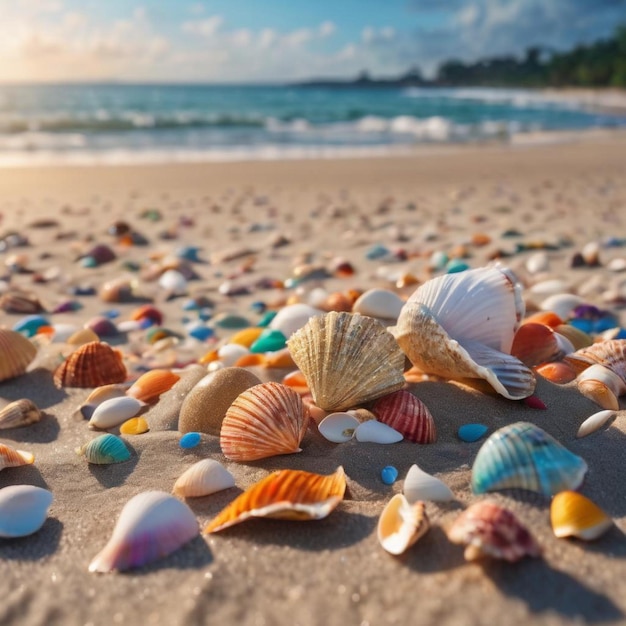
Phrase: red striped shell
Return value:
(408, 415)
(263, 421)
(16, 352)
(92, 365)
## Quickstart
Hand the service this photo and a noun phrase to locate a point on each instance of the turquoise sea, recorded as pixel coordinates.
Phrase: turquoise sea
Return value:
(114, 123)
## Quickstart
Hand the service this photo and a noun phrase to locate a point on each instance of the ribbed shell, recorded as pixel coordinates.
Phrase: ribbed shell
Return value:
(524, 456)
(202, 479)
(347, 360)
(23, 510)
(92, 365)
(602, 385)
(10, 457)
(408, 415)
(285, 494)
(610, 353)
(16, 353)
(105, 450)
(19, 413)
(263, 421)
(149, 386)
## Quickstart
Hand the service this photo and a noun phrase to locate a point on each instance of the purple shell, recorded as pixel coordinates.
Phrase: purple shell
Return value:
(102, 326)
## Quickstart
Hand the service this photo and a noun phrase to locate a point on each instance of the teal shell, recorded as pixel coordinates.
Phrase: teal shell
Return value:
(105, 449)
(524, 456)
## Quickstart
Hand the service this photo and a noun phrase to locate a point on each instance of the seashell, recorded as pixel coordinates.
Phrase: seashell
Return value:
(147, 312)
(135, 426)
(264, 421)
(574, 515)
(18, 301)
(595, 422)
(419, 485)
(347, 360)
(408, 415)
(285, 494)
(10, 457)
(202, 479)
(19, 413)
(558, 372)
(487, 529)
(338, 427)
(534, 344)
(230, 353)
(601, 385)
(247, 336)
(205, 406)
(538, 262)
(472, 432)
(547, 318)
(373, 431)
(549, 287)
(576, 337)
(94, 364)
(114, 412)
(563, 304)
(380, 303)
(30, 325)
(98, 396)
(297, 382)
(401, 524)
(523, 455)
(173, 283)
(462, 325)
(16, 353)
(151, 525)
(82, 336)
(23, 510)
(292, 318)
(100, 253)
(118, 290)
(102, 326)
(105, 450)
(149, 386)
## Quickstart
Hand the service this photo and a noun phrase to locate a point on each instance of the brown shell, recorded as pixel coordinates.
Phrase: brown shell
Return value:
(611, 354)
(17, 301)
(19, 413)
(149, 386)
(16, 352)
(264, 421)
(92, 365)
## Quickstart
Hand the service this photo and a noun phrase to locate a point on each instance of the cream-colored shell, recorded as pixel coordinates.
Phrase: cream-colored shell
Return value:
(19, 413)
(202, 479)
(401, 524)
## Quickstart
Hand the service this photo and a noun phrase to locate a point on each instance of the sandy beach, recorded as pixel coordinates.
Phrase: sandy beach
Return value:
(257, 227)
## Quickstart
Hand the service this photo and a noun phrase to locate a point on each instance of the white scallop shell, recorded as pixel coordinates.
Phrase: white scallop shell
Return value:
(151, 525)
(376, 432)
(202, 479)
(338, 427)
(419, 485)
(23, 509)
(595, 422)
(114, 412)
(380, 303)
(401, 524)
(293, 317)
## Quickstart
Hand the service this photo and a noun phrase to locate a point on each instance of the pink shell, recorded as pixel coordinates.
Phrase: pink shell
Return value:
(408, 415)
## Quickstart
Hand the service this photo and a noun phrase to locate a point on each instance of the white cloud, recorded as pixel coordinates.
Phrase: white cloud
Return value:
(267, 37)
(298, 37)
(242, 37)
(206, 28)
(326, 29)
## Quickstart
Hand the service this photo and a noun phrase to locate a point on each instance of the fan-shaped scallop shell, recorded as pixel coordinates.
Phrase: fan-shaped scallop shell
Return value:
(202, 479)
(408, 415)
(347, 359)
(487, 529)
(285, 494)
(610, 353)
(462, 325)
(524, 456)
(10, 457)
(19, 413)
(263, 421)
(92, 365)
(574, 515)
(23, 509)
(149, 386)
(401, 524)
(16, 353)
(105, 450)
(151, 525)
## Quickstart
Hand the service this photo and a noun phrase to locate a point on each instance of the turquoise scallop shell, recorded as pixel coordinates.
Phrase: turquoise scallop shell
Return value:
(105, 449)
(524, 456)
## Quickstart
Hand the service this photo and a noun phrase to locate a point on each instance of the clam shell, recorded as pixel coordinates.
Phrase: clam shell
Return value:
(574, 515)
(105, 450)
(135, 426)
(524, 456)
(380, 303)
(151, 525)
(610, 353)
(401, 524)
(205, 406)
(563, 304)
(534, 344)
(595, 422)
(462, 325)
(114, 412)
(264, 421)
(149, 386)
(19, 413)
(347, 360)
(16, 352)
(100, 395)
(558, 372)
(487, 529)
(372, 431)
(92, 365)
(338, 427)
(293, 317)
(419, 485)
(285, 494)
(601, 385)
(202, 479)
(10, 457)
(82, 336)
(408, 415)
(23, 509)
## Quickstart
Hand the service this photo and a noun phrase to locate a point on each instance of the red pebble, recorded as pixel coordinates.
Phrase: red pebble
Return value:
(533, 402)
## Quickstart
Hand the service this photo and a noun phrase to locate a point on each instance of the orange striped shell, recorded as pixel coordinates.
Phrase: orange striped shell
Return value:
(16, 352)
(263, 421)
(10, 457)
(149, 386)
(92, 365)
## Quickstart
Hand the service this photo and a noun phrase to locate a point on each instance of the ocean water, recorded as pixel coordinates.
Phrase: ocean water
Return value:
(108, 123)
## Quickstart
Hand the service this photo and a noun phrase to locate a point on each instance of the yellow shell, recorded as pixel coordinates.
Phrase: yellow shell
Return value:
(10, 457)
(285, 494)
(264, 421)
(574, 515)
(82, 336)
(134, 426)
(347, 359)
(16, 352)
(92, 365)
(247, 336)
(149, 386)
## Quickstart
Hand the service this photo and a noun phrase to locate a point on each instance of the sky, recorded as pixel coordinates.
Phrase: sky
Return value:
(278, 40)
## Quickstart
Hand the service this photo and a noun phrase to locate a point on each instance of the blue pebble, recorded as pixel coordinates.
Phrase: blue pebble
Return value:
(456, 265)
(189, 253)
(30, 324)
(190, 305)
(89, 261)
(376, 252)
(83, 291)
(145, 322)
(389, 475)
(189, 440)
(205, 314)
(582, 324)
(111, 314)
(259, 307)
(604, 323)
(202, 333)
(472, 432)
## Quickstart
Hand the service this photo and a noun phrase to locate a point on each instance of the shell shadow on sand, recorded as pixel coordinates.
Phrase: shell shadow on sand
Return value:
(44, 543)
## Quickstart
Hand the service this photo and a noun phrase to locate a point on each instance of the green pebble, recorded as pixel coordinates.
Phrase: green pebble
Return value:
(270, 340)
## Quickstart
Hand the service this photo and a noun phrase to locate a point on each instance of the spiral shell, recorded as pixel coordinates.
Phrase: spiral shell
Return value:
(92, 365)
(16, 353)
